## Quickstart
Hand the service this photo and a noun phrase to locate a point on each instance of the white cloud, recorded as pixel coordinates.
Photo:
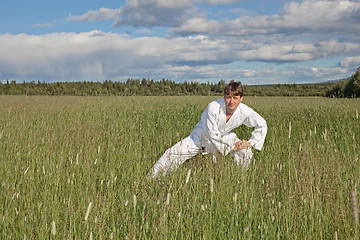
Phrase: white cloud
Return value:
(143, 13)
(314, 18)
(149, 13)
(166, 3)
(199, 25)
(97, 56)
(295, 52)
(313, 74)
(43, 25)
(96, 15)
(143, 31)
(350, 62)
(218, 2)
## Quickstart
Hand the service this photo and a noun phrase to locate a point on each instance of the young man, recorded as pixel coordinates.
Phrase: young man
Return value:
(212, 134)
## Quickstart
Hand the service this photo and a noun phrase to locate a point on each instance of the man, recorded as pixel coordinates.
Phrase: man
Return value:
(212, 134)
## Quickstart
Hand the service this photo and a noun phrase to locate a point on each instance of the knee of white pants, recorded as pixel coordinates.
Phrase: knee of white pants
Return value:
(246, 153)
(243, 157)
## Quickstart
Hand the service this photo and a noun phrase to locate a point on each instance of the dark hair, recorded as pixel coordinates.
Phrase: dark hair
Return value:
(234, 88)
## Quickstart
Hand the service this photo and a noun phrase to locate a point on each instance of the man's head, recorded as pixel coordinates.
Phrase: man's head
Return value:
(234, 88)
(233, 95)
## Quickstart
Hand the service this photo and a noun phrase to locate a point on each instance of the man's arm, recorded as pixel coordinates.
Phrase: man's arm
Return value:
(254, 120)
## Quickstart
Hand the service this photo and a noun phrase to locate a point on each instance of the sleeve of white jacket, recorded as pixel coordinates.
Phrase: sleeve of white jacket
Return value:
(254, 120)
(209, 124)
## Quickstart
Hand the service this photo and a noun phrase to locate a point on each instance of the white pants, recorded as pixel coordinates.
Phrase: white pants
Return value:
(190, 147)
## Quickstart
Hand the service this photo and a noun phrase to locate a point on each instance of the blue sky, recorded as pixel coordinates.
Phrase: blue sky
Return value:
(252, 41)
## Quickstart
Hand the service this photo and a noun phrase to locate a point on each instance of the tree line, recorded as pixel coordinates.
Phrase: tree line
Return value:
(348, 88)
(132, 87)
(165, 87)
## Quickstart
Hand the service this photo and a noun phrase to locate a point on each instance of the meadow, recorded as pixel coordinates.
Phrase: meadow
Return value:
(74, 168)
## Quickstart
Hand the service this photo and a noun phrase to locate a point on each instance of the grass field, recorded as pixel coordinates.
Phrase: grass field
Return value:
(74, 168)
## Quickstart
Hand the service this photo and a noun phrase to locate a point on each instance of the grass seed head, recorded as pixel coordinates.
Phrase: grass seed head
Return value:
(354, 207)
(168, 198)
(211, 185)
(289, 129)
(88, 211)
(26, 171)
(188, 176)
(53, 228)
(134, 200)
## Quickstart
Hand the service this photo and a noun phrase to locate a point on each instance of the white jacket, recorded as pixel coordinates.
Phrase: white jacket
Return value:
(213, 126)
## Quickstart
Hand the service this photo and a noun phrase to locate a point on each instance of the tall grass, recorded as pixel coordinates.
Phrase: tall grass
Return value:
(74, 167)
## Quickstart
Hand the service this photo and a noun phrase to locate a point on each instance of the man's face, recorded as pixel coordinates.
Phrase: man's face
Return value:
(232, 102)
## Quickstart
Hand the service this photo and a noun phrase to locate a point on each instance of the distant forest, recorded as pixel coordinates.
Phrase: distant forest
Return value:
(148, 87)
(348, 88)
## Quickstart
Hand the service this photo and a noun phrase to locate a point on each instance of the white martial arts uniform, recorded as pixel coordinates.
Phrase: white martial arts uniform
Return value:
(213, 134)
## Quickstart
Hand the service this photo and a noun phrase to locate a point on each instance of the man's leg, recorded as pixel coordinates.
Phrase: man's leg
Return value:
(243, 156)
(174, 157)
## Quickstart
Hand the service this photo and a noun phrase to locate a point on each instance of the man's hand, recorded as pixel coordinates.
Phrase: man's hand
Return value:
(242, 144)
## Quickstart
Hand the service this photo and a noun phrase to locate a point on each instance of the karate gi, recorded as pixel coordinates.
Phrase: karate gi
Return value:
(212, 134)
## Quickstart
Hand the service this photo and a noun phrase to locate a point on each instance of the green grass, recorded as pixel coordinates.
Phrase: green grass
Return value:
(59, 154)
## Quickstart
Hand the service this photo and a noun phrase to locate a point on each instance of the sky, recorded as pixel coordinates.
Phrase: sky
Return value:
(252, 41)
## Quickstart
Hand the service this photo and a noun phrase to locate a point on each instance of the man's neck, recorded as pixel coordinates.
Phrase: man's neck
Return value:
(229, 113)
